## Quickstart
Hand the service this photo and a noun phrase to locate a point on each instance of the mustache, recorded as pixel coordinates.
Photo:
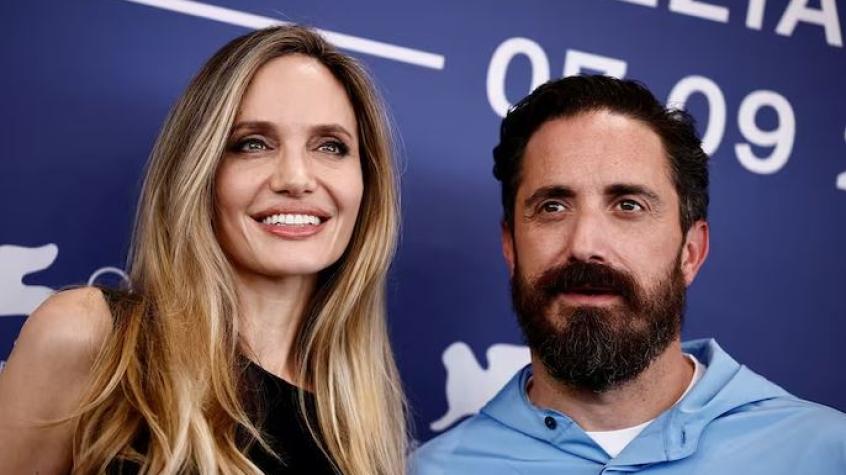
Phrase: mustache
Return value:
(581, 276)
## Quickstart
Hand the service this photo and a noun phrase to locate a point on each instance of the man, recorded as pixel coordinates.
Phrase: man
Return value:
(605, 196)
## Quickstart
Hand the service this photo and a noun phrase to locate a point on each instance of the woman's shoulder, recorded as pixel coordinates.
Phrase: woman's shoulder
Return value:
(45, 377)
(60, 340)
(73, 323)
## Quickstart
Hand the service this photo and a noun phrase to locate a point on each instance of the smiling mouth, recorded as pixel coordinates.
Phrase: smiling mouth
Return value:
(292, 219)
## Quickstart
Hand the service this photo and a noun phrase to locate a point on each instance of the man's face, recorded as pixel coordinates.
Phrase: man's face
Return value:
(598, 259)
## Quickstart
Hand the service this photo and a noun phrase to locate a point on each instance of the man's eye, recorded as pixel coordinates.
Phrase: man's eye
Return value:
(334, 147)
(250, 145)
(629, 205)
(552, 207)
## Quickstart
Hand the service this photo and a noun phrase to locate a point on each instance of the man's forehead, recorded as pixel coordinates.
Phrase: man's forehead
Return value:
(595, 148)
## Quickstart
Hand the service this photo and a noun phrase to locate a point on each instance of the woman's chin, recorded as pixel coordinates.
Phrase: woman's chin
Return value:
(298, 268)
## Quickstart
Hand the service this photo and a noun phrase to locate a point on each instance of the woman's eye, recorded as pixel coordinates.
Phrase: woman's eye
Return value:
(552, 207)
(334, 147)
(629, 205)
(250, 145)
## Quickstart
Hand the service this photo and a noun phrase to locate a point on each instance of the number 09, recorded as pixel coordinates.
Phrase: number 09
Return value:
(780, 138)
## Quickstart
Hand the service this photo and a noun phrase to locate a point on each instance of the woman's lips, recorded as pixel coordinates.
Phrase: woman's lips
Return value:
(292, 231)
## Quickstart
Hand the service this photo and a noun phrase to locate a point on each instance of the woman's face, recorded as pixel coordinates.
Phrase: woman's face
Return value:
(289, 185)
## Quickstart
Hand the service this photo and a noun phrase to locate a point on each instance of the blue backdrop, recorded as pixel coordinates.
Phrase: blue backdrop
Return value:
(86, 85)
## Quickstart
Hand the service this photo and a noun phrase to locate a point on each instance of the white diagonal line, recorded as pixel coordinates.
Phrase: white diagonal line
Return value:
(343, 41)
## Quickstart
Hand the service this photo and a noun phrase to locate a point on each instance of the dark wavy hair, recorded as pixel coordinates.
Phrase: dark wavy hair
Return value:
(573, 95)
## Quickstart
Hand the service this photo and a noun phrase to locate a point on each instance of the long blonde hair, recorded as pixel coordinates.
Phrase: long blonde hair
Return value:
(168, 375)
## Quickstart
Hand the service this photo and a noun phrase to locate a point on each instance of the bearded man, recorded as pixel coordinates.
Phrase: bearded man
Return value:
(605, 197)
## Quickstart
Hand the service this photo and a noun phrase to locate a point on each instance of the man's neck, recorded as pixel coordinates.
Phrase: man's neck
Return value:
(640, 400)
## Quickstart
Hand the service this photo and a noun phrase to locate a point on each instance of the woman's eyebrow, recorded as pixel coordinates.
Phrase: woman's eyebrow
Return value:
(252, 125)
(332, 129)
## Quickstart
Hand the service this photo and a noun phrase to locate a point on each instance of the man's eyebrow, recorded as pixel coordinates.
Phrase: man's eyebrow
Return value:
(549, 192)
(621, 189)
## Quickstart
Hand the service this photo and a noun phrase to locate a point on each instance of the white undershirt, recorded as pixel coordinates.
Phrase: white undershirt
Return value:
(614, 441)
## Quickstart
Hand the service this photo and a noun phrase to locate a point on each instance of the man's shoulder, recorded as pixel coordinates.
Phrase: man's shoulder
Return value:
(803, 418)
(733, 393)
(784, 429)
(784, 433)
(476, 433)
(479, 443)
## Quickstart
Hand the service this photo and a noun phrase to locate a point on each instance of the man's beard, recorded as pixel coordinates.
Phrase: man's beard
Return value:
(598, 348)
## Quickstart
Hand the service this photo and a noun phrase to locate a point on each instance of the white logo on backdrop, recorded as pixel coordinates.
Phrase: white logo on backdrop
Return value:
(16, 262)
(17, 298)
(469, 386)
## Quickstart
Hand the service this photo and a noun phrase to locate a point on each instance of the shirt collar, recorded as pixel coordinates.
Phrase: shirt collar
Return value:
(512, 407)
(673, 435)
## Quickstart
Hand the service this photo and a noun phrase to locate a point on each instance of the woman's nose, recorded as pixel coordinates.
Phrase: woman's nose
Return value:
(292, 174)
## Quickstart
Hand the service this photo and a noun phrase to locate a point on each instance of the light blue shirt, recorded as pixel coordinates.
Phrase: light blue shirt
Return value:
(733, 421)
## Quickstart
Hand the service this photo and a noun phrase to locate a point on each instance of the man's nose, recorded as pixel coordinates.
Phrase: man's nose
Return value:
(588, 237)
(293, 173)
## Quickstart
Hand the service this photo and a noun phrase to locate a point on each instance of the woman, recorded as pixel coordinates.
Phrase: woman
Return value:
(264, 232)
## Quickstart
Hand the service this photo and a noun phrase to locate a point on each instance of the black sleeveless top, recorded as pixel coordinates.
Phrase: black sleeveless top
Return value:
(273, 407)
(277, 414)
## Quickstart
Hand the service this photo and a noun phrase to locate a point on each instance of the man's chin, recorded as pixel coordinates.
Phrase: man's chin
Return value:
(562, 313)
(593, 383)
(597, 348)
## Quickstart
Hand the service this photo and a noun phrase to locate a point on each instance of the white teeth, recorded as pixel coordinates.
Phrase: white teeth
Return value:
(292, 219)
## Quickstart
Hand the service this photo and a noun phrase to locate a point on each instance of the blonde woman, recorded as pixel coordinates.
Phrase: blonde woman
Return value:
(254, 338)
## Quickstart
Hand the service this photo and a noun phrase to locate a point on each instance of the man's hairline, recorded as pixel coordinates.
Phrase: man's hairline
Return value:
(517, 177)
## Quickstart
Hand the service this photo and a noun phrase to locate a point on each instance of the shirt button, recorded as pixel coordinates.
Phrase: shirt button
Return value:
(550, 423)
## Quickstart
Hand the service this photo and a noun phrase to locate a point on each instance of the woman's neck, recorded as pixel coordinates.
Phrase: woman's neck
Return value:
(270, 313)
